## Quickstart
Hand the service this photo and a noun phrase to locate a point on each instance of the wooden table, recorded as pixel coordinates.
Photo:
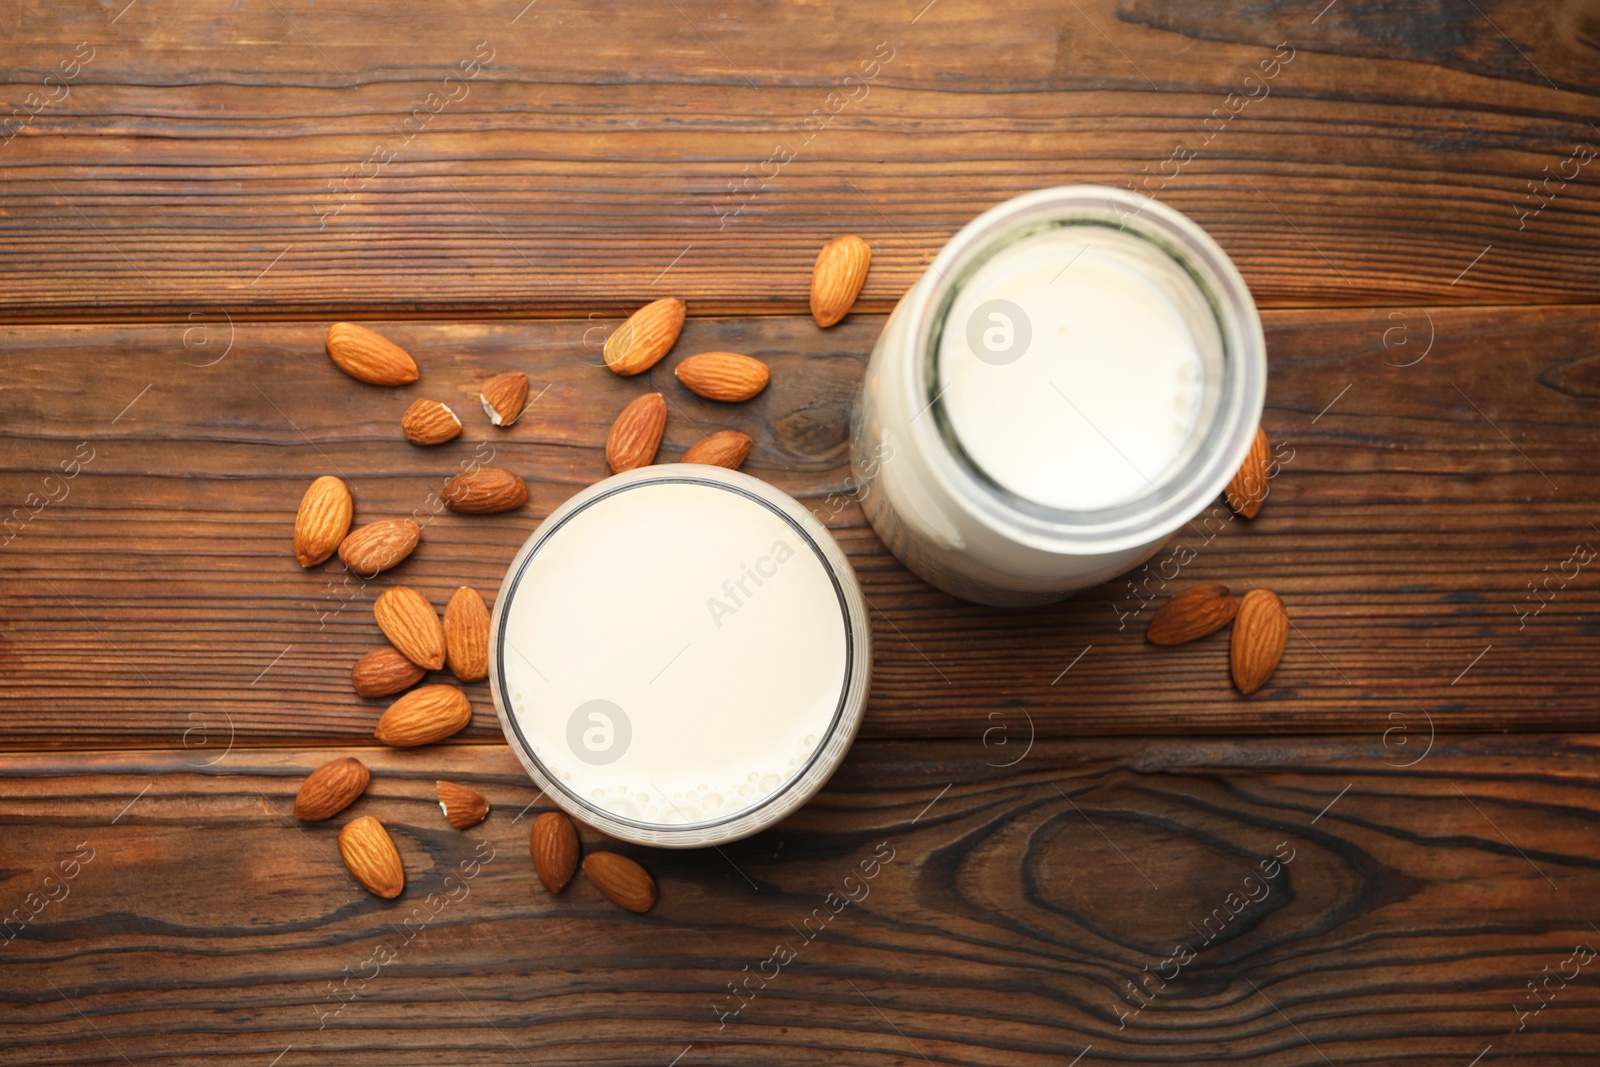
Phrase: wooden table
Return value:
(189, 194)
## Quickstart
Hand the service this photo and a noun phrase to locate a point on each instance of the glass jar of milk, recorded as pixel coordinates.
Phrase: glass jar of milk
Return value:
(1078, 373)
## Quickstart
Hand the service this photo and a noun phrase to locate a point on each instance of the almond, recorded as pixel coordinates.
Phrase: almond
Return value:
(378, 546)
(1194, 613)
(463, 807)
(725, 449)
(466, 635)
(369, 852)
(384, 671)
(554, 844)
(411, 625)
(1260, 631)
(638, 344)
(1248, 488)
(428, 422)
(330, 789)
(368, 356)
(636, 435)
(837, 277)
(621, 881)
(424, 716)
(723, 375)
(485, 491)
(503, 397)
(323, 520)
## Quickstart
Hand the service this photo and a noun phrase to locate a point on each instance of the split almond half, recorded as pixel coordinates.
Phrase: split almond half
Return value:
(323, 520)
(1196, 612)
(466, 635)
(725, 449)
(638, 344)
(428, 422)
(1260, 631)
(424, 716)
(463, 807)
(369, 852)
(636, 435)
(504, 397)
(411, 625)
(837, 277)
(725, 376)
(369, 356)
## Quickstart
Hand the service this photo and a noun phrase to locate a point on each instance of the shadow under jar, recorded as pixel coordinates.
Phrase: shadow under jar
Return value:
(1078, 373)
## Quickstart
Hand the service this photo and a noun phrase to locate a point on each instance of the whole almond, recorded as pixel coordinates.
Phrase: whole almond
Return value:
(621, 881)
(384, 671)
(428, 422)
(1194, 613)
(837, 277)
(1260, 631)
(503, 397)
(424, 716)
(368, 356)
(466, 635)
(1248, 488)
(636, 435)
(463, 807)
(323, 520)
(411, 625)
(554, 844)
(369, 852)
(330, 789)
(724, 376)
(638, 344)
(727, 448)
(378, 546)
(485, 491)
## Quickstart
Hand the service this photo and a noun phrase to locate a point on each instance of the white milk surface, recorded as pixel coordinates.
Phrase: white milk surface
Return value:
(711, 629)
(1088, 390)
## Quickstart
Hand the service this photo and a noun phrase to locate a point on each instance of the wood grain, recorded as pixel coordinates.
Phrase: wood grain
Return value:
(313, 160)
(158, 600)
(1009, 914)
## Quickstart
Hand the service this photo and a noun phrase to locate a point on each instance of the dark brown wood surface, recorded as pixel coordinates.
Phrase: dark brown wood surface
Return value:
(189, 194)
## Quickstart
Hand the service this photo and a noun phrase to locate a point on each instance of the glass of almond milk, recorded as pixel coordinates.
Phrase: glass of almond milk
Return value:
(680, 655)
(1078, 373)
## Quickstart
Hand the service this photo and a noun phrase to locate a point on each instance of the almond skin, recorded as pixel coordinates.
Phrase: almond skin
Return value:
(411, 625)
(485, 491)
(330, 789)
(725, 449)
(384, 671)
(368, 356)
(378, 546)
(638, 344)
(554, 844)
(504, 396)
(428, 422)
(1260, 631)
(323, 520)
(837, 277)
(1196, 612)
(636, 435)
(621, 881)
(369, 852)
(466, 635)
(463, 807)
(1248, 488)
(725, 376)
(424, 716)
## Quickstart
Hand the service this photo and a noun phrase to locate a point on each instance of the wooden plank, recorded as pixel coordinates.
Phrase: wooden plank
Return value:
(1000, 916)
(314, 160)
(1420, 531)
